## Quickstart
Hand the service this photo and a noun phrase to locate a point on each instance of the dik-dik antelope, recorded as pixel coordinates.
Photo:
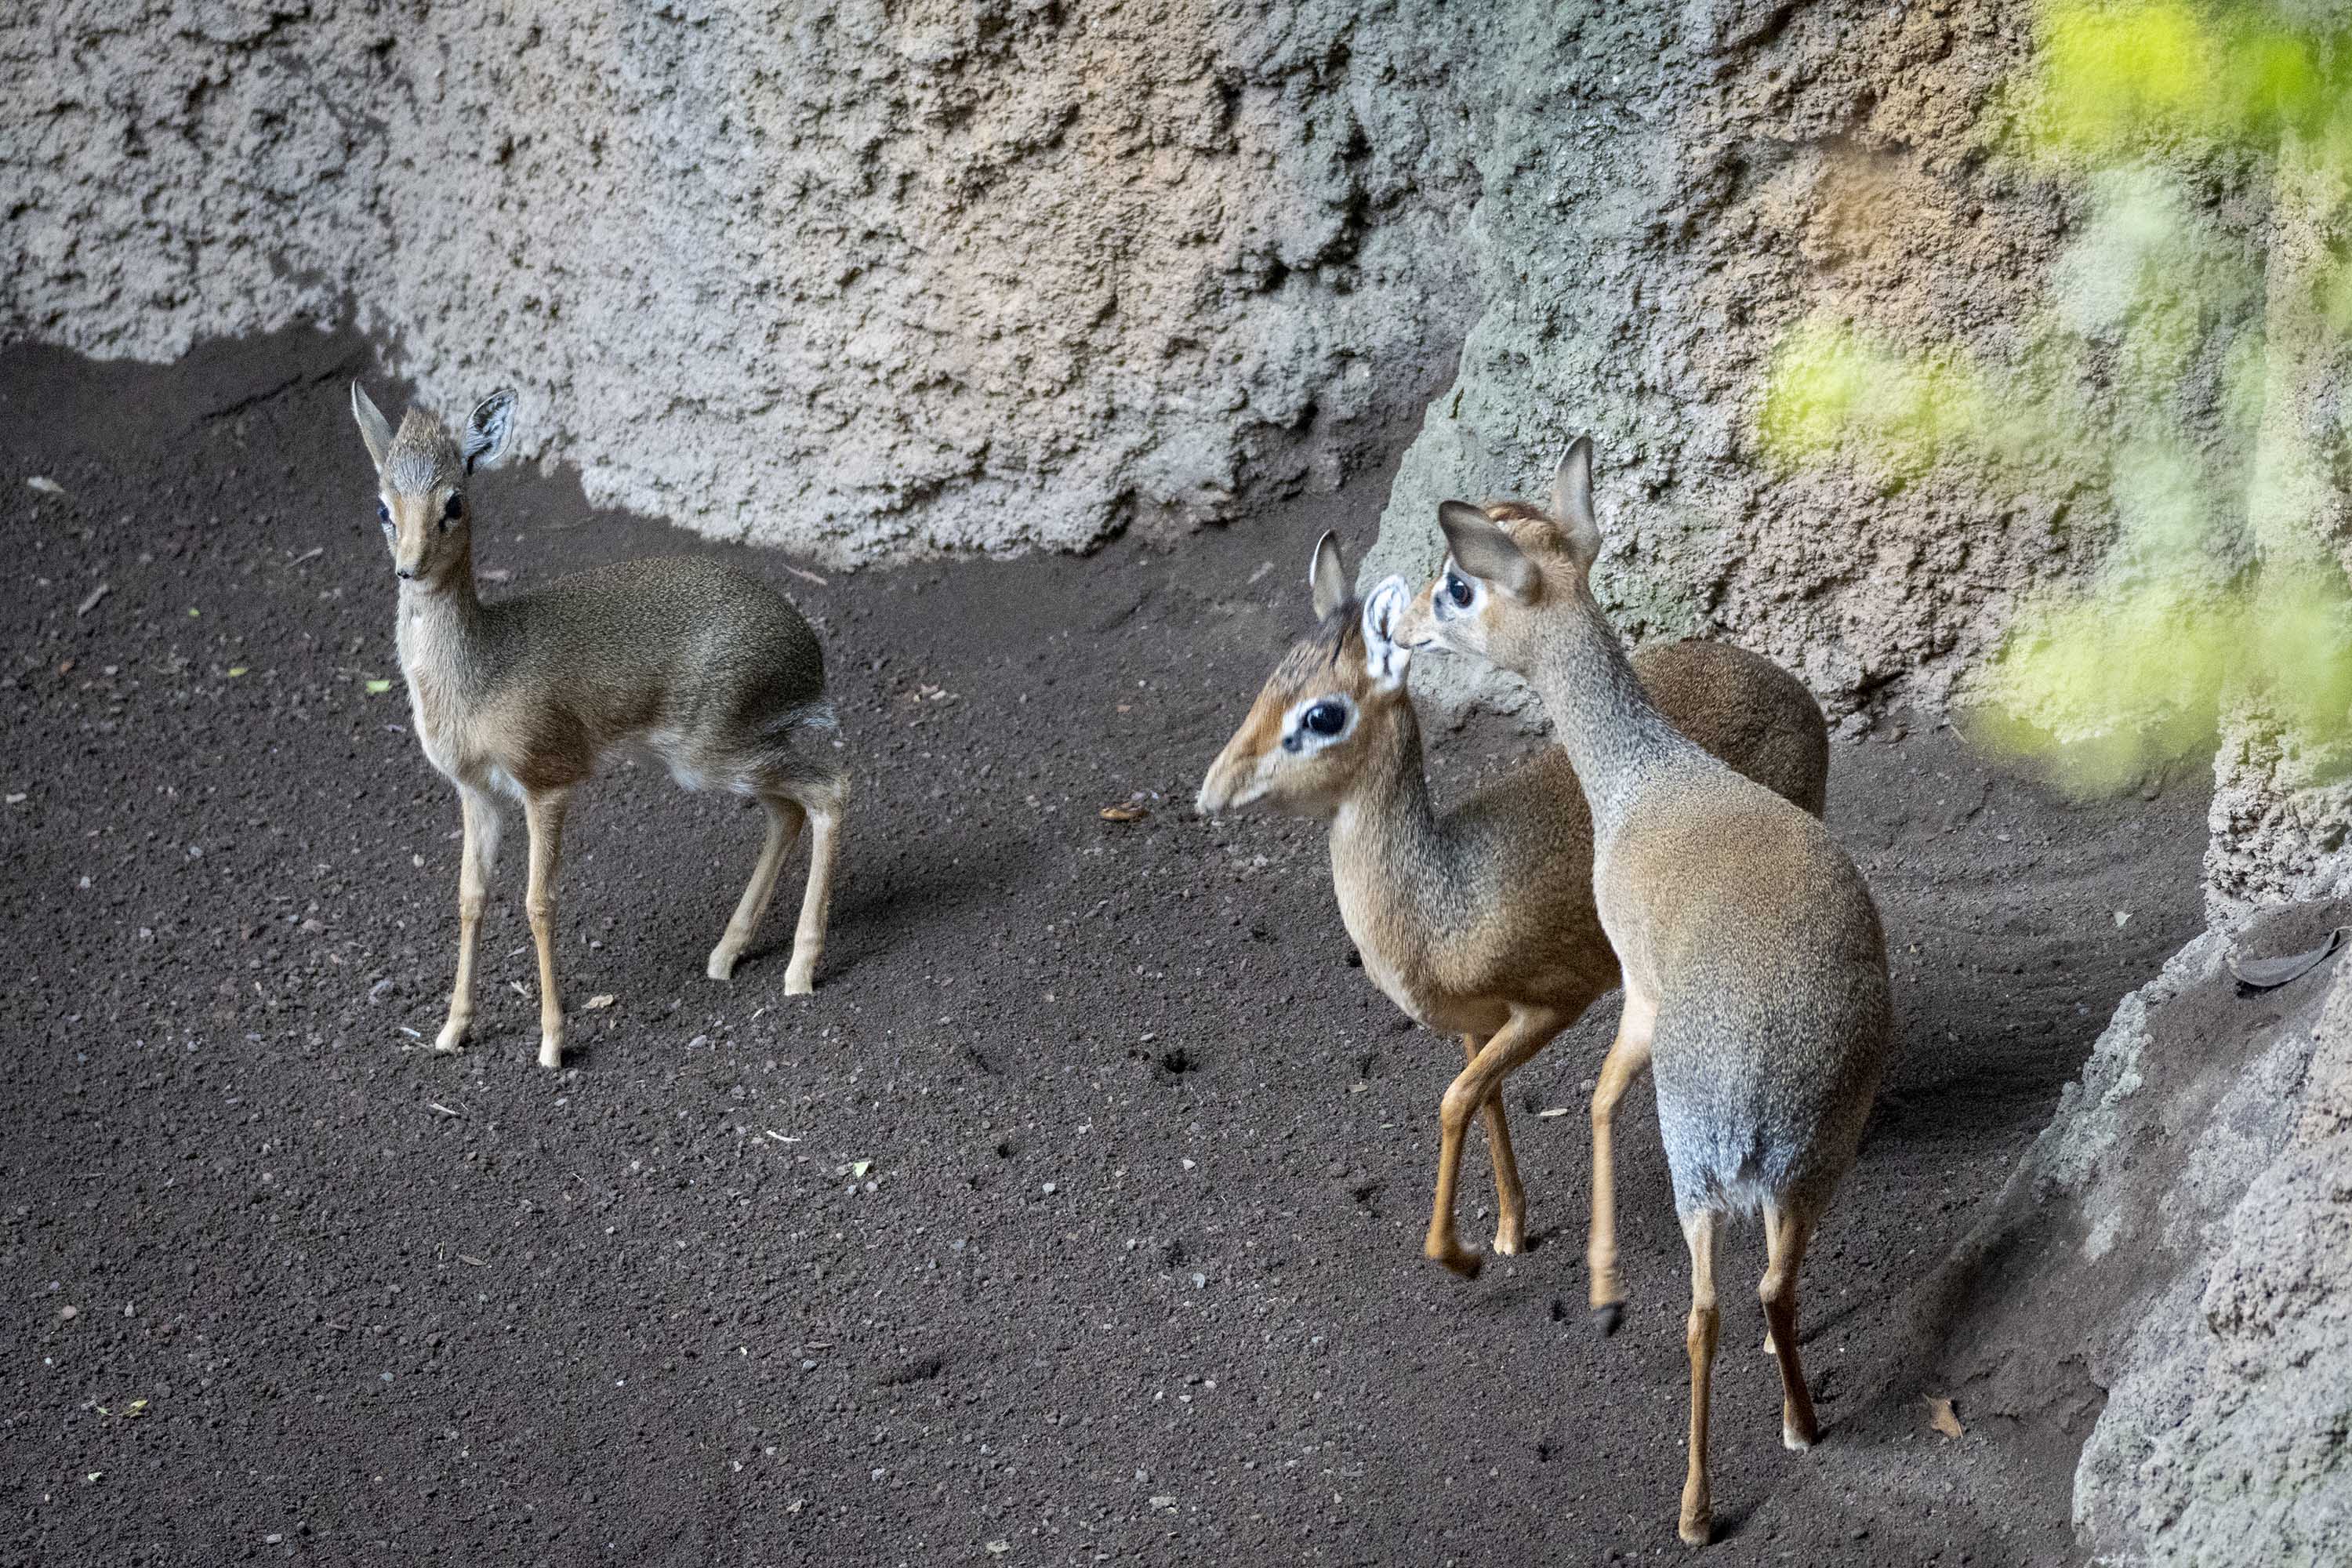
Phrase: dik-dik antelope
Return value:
(1755, 987)
(1478, 921)
(706, 667)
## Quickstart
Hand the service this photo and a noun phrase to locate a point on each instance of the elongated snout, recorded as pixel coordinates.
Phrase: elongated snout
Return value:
(1220, 791)
(1417, 628)
(1239, 776)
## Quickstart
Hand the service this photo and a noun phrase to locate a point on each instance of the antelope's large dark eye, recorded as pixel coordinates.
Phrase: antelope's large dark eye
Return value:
(452, 509)
(383, 515)
(1457, 590)
(1326, 719)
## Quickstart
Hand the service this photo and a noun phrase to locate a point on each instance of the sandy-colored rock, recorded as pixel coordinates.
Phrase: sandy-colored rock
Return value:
(1666, 226)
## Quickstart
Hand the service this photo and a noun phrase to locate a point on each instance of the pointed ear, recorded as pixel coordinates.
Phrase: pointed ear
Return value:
(1571, 502)
(1485, 550)
(487, 429)
(1327, 578)
(373, 428)
(1384, 658)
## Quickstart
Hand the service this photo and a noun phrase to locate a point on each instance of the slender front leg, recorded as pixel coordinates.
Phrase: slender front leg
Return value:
(1628, 1058)
(1786, 1233)
(1512, 1045)
(1700, 1230)
(784, 819)
(1510, 1196)
(825, 814)
(480, 859)
(544, 816)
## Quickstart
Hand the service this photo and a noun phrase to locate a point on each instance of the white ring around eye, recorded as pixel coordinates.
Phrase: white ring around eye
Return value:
(1297, 737)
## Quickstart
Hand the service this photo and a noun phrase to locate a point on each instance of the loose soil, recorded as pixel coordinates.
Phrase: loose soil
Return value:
(1075, 1218)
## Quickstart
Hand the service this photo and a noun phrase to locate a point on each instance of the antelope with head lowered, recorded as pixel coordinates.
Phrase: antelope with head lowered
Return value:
(705, 665)
(1478, 921)
(1756, 984)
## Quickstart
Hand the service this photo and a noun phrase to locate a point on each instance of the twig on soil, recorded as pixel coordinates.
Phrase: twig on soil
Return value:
(90, 601)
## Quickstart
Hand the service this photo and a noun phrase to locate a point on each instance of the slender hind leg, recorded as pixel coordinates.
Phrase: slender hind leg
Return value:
(825, 810)
(1700, 1230)
(784, 819)
(1627, 1059)
(1510, 1196)
(543, 813)
(1512, 1045)
(480, 859)
(1786, 1232)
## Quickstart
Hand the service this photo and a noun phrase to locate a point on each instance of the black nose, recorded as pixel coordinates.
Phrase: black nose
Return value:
(403, 574)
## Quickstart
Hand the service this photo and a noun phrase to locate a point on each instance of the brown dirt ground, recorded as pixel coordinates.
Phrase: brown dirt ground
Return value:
(1079, 1210)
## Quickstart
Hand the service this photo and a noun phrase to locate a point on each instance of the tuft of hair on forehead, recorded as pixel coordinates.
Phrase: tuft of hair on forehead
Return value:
(1528, 524)
(422, 456)
(1337, 638)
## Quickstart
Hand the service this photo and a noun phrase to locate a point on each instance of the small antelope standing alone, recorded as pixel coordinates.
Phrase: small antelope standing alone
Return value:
(1755, 987)
(1479, 922)
(705, 665)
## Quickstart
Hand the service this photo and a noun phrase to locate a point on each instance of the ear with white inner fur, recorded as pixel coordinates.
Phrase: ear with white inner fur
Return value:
(1571, 502)
(1485, 550)
(1326, 577)
(487, 429)
(374, 429)
(1384, 658)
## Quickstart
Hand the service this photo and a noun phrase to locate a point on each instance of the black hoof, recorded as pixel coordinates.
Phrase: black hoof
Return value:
(1606, 1319)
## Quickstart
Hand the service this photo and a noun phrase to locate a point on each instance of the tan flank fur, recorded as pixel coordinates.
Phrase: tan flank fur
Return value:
(706, 667)
(1478, 921)
(1755, 987)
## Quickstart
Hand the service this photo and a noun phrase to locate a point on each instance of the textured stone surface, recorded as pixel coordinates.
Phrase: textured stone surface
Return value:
(2282, 808)
(2226, 1423)
(863, 279)
(871, 281)
(2180, 1237)
(1650, 228)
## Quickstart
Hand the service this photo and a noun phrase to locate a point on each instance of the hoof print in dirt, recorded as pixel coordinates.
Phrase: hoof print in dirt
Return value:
(914, 1369)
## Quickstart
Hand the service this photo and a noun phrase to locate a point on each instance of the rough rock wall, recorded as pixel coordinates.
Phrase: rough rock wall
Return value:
(1651, 226)
(871, 279)
(862, 278)
(2180, 1242)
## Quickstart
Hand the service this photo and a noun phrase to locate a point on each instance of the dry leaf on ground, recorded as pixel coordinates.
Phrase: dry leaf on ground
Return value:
(1940, 1417)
